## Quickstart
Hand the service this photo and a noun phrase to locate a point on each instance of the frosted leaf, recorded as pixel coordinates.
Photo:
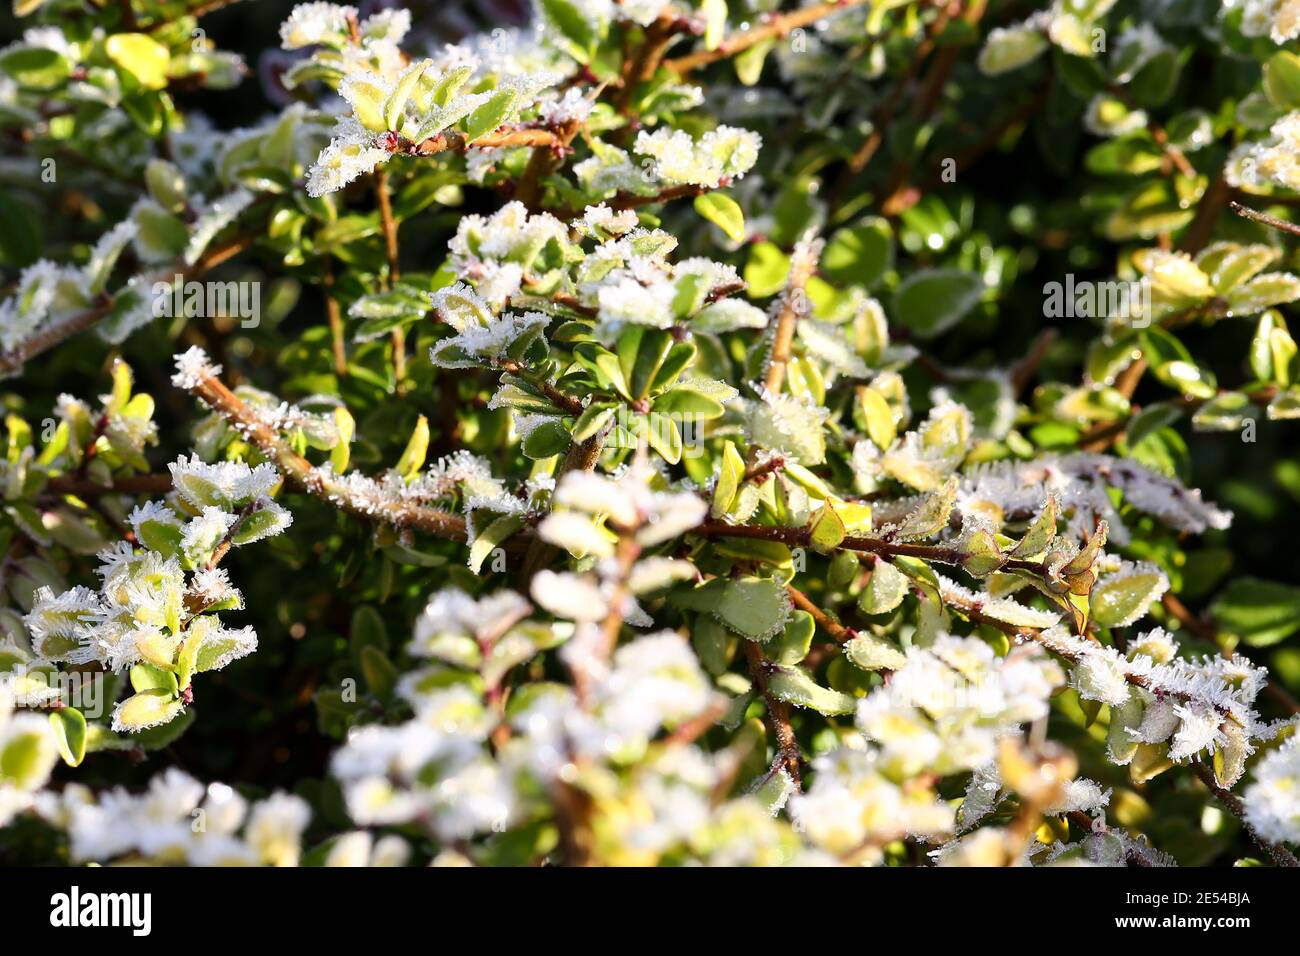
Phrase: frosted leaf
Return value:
(212, 219)
(830, 344)
(1081, 796)
(1121, 598)
(788, 424)
(570, 596)
(603, 223)
(1009, 48)
(575, 533)
(350, 154)
(1273, 799)
(727, 315)
(722, 152)
(312, 23)
(192, 367)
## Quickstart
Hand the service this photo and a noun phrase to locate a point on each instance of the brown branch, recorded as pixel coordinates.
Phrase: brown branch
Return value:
(455, 141)
(1279, 854)
(778, 713)
(56, 333)
(1202, 226)
(1023, 371)
(643, 64)
(884, 115)
(775, 27)
(319, 482)
(838, 632)
(389, 228)
(335, 319)
(1262, 217)
(129, 23)
(566, 403)
(802, 538)
(544, 161)
(794, 303)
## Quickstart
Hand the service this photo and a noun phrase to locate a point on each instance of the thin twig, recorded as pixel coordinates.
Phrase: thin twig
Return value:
(775, 27)
(56, 333)
(1262, 217)
(794, 303)
(389, 227)
(319, 482)
(1279, 854)
(778, 713)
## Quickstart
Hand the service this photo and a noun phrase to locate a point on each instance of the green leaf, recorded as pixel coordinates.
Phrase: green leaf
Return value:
(147, 709)
(730, 472)
(1273, 350)
(20, 239)
(766, 270)
(714, 13)
(931, 301)
(490, 115)
(796, 686)
(827, 530)
(147, 677)
(593, 418)
(26, 759)
(395, 107)
(713, 643)
(885, 589)
(879, 416)
(792, 644)
(873, 654)
(572, 24)
(664, 437)
(1262, 292)
(756, 608)
(69, 726)
(724, 212)
(1282, 80)
(36, 68)
(859, 255)
(1120, 600)
(547, 439)
(162, 735)
(140, 56)
(380, 673)
(1260, 612)
(417, 449)
(749, 63)
(490, 538)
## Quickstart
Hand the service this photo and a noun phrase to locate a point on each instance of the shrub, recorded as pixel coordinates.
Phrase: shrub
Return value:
(662, 434)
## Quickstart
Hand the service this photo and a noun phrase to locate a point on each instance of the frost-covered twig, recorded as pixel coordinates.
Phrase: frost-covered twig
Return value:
(774, 27)
(792, 304)
(47, 337)
(199, 378)
(1262, 217)
(455, 141)
(778, 714)
(1279, 854)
